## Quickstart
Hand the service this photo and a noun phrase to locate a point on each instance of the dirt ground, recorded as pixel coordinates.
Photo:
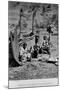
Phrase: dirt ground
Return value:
(33, 70)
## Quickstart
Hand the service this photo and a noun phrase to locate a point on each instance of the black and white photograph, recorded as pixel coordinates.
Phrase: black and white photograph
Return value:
(33, 44)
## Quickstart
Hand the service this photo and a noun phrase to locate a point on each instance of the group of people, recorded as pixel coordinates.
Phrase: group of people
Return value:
(27, 54)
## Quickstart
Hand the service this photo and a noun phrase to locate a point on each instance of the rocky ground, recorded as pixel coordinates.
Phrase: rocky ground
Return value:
(33, 70)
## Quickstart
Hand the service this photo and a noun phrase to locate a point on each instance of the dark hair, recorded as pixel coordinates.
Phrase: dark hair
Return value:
(24, 45)
(44, 37)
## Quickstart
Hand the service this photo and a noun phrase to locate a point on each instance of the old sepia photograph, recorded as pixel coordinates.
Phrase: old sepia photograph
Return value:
(33, 44)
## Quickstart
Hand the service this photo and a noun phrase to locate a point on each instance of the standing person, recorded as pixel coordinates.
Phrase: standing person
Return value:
(49, 30)
(36, 39)
(35, 51)
(35, 47)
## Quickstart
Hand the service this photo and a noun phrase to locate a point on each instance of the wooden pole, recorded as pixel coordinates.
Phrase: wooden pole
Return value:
(49, 45)
(19, 23)
(33, 22)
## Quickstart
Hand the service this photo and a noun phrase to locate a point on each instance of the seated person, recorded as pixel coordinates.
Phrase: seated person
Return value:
(45, 46)
(23, 51)
(35, 52)
(28, 55)
(40, 50)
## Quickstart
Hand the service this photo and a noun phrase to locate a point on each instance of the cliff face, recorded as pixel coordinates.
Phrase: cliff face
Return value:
(44, 14)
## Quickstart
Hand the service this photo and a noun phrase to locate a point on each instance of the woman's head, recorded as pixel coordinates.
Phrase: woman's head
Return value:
(24, 45)
(44, 37)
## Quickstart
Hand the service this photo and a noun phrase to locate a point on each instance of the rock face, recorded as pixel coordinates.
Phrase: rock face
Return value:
(34, 18)
(12, 60)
